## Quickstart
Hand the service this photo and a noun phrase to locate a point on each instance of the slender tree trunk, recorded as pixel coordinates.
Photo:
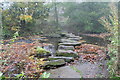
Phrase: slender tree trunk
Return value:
(56, 15)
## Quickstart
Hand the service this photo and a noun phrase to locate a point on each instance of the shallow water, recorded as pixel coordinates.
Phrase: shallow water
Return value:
(95, 40)
(87, 69)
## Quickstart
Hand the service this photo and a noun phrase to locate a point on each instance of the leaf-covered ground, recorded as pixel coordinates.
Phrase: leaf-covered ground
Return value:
(18, 57)
(91, 52)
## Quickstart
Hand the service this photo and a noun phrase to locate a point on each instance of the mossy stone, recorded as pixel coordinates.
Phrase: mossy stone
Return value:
(66, 59)
(54, 63)
(67, 55)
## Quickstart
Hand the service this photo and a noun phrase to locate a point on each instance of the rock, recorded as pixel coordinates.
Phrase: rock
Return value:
(67, 51)
(71, 43)
(75, 39)
(67, 59)
(67, 55)
(73, 36)
(41, 50)
(65, 73)
(63, 34)
(68, 35)
(67, 41)
(22, 40)
(40, 39)
(41, 53)
(53, 36)
(62, 47)
(82, 41)
(49, 47)
(54, 63)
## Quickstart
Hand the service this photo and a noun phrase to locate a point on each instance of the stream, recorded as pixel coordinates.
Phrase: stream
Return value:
(84, 69)
(79, 68)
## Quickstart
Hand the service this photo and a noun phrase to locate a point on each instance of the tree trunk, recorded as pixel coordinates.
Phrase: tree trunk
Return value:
(56, 15)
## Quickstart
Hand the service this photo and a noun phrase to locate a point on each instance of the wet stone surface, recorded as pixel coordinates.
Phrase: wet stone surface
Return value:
(87, 70)
(85, 66)
(67, 52)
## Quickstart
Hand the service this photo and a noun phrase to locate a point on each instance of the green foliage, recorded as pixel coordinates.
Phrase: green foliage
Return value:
(21, 75)
(84, 16)
(111, 24)
(24, 15)
(16, 35)
(115, 78)
(45, 75)
(41, 50)
(2, 77)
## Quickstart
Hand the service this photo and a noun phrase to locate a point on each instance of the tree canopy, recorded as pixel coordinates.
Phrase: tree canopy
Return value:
(23, 15)
(84, 16)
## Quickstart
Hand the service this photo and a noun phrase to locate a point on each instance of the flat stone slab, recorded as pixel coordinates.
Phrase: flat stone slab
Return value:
(75, 39)
(62, 47)
(74, 55)
(54, 63)
(71, 44)
(67, 41)
(67, 59)
(69, 35)
(64, 72)
(73, 36)
(67, 51)
(63, 57)
(87, 70)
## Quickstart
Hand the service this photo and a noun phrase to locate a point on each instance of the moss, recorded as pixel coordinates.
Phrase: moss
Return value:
(41, 53)
(40, 50)
(50, 59)
(55, 62)
(67, 55)
(66, 60)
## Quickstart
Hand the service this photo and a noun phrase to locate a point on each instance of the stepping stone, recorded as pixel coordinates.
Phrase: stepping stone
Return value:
(71, 43)
(62, 47)
(63, 57)
(67, 59)
(69, 35)
(64, 72)
(67, 51)
(73, 36)
(75, 39)
(54, 63)
(67, 40)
